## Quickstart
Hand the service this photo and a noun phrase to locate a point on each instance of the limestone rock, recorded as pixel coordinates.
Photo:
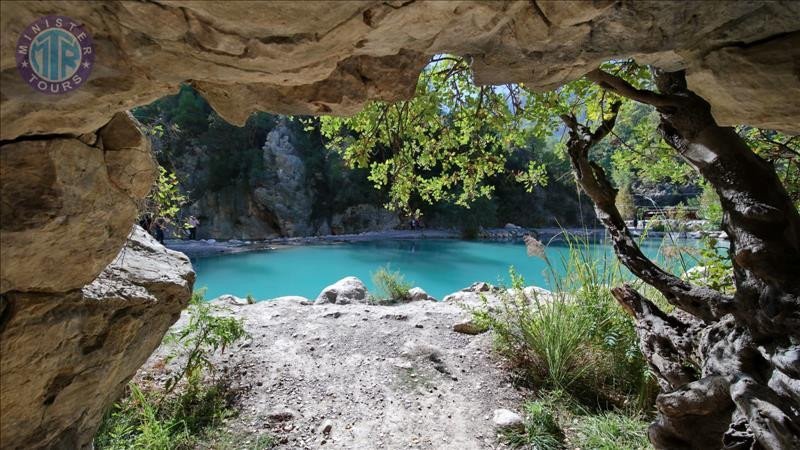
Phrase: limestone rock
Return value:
(287, 196)
(480, 286)
(333, 57)
(505, 419)
(68, 357)
(347, 290)
(68, 206)
(229, 299)
(417, 294)
(291, 298)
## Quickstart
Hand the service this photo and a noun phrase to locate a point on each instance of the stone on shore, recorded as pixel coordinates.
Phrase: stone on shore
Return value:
(231, 300)
(345, 291)
(417, 294)
(507, 420)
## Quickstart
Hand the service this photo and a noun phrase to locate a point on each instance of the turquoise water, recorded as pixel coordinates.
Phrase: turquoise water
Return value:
(438, 266)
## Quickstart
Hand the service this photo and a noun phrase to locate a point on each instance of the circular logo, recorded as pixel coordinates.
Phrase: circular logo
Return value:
(55, 55)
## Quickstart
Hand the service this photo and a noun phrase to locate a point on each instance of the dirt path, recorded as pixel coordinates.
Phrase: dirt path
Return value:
(383, 377)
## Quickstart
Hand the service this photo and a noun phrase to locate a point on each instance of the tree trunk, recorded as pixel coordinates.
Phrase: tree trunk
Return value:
(728, 366)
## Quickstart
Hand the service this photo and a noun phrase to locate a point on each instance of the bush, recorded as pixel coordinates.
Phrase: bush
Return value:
(578, 339)
(391, 286)
(546, 338)
(189, 405)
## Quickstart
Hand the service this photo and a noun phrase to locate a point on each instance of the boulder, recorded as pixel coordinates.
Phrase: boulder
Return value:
(68, 206)
(67, 357)
(505, 419)
(417, 293)
(347, 290)
(479, 286)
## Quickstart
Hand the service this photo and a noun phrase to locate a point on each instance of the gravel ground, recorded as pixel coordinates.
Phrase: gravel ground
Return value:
(363, 377)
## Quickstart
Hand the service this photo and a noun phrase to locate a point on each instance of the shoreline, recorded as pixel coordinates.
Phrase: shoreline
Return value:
(210, 247)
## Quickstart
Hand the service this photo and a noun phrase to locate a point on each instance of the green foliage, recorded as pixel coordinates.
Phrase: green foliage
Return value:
(188, 406)
(545, 337)
(441, 145)
(714, 268)
(206, 332)
(576, 339)
(709, 205)
(625, 202)
(165, 199)
(611, 431)
(555, 421)
(391, 286)
(542, 430)
(780, 149)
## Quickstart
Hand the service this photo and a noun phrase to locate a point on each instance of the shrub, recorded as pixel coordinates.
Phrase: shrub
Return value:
(544, 337)
(391, 286)
(714, 269)
(578, 338)
(175, 415)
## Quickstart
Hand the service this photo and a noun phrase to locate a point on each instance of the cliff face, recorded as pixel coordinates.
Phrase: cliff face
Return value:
(274, 200)
(283, 188)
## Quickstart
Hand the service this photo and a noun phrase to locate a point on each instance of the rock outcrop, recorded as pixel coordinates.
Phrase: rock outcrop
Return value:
(67, 357)
(332, 57)
(72, 170)
(392, 377)
(68, 205)
(287, 196)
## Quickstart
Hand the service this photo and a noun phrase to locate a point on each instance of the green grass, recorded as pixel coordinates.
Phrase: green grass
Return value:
(391, 286)
(611, 431)
(556, 420)
(192, 405)
(579, 349)
(542, 430)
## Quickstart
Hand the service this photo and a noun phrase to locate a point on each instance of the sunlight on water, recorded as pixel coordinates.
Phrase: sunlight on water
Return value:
(438, 266)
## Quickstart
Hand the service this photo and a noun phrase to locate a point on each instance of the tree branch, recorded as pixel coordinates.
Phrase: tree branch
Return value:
(705, 303)
(667, 341)
(621, 87)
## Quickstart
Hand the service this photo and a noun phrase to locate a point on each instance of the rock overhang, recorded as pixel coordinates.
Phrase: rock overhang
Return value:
(334, 57)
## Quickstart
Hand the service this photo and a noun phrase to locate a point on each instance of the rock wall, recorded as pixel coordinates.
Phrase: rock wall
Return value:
(68, 204)
(288, 197)
(67, 357)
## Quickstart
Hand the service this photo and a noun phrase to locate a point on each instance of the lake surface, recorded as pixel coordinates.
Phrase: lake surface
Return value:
(438, 266)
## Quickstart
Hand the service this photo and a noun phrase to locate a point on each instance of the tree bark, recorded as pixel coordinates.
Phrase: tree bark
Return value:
(728, 366)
